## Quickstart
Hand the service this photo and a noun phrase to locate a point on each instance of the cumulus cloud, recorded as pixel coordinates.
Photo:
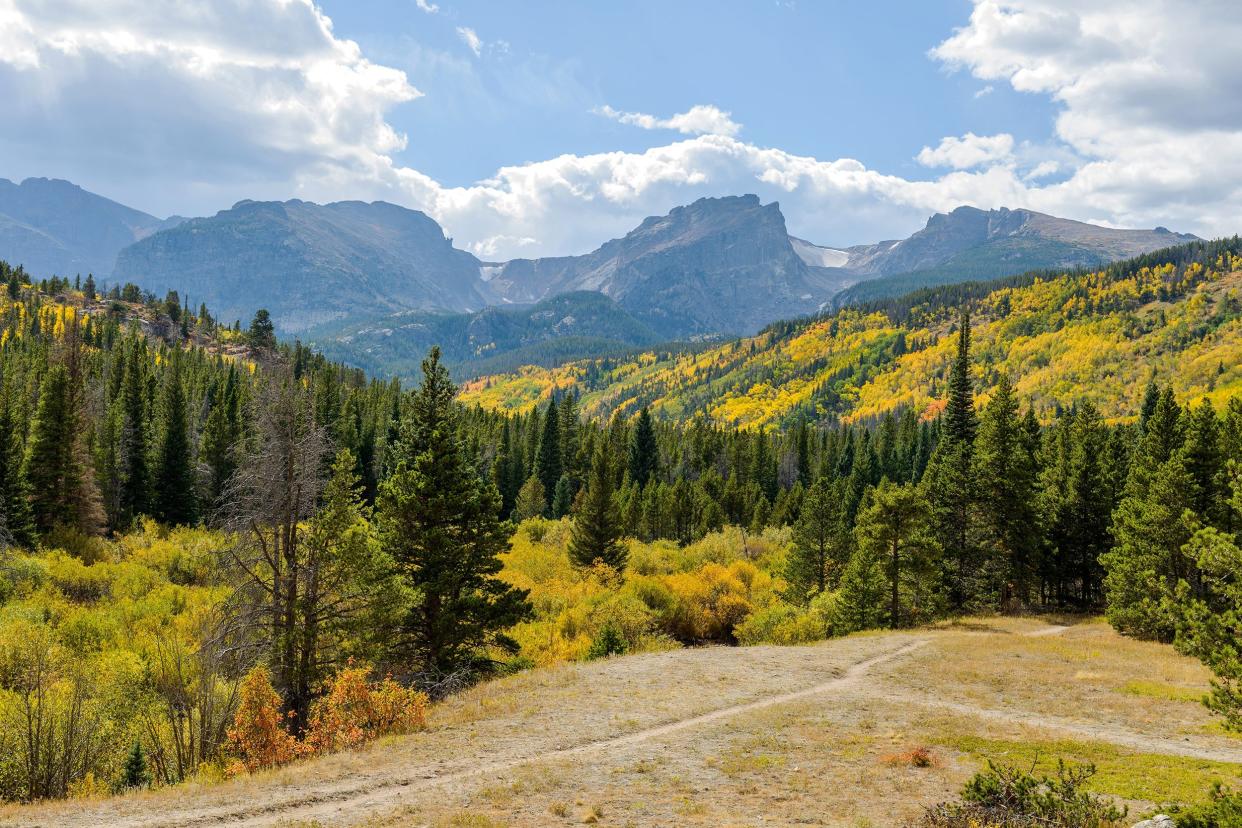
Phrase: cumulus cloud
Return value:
(701, 119)
(1155, 115)
(471, 39)
(968, 151)
(204, 93)
(205, 106)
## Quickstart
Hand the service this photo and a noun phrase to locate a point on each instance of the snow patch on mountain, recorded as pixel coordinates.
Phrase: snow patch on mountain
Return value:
(817, 256)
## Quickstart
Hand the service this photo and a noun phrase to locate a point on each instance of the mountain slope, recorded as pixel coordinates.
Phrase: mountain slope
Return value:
(497, 338)
(719, 265)
(308, 263)
(52, 227)
(1174, 315)
(969, 243)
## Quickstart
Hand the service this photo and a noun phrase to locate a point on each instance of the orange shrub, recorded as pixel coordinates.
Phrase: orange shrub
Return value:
(356, 711)
(258, 735)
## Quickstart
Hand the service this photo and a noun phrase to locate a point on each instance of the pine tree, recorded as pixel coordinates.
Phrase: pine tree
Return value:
(1205, 462)
(220, 439)
(531, 500)
(895, 529)
(1209, 621)
(562, 497)
(18, 526)
(176, 502)
(644, 454)
(960, 420)
(860, 602)
(1007, 479)
(597, 524)
(548, 458)
(135, 773)
(821, 543)
(441, 526)
(134, 496)
(62, 489)
(262, 334)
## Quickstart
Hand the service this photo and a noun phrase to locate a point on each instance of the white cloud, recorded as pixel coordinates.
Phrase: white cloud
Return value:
(203, 94)
(985, 91)
(471, 39)
(203, 106)
(1043, 169)
(1153, 111)
(424, 5)
(968, 151)
(701, 119)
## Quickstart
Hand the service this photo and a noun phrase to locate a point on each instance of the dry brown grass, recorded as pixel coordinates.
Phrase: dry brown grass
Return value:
(576, 743)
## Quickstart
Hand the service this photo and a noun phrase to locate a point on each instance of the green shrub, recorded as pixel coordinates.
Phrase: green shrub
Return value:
(1223, 810)
(1007, 797)
(608, 642)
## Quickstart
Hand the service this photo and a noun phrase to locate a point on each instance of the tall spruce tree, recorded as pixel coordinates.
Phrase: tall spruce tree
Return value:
(1007, 479)
(960, 420)
(440, 523)
(895, 529)
(548, 458)
(18, 526)
(821, 541)
(644, 453)
(597, 524)
(176, 501)
(133, 448)
(61, 485)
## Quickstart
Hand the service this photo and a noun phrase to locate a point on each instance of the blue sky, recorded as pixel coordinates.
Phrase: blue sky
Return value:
(827, 79)
(547, 127)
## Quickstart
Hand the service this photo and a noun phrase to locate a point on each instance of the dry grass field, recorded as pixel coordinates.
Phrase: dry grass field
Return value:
(757, 736)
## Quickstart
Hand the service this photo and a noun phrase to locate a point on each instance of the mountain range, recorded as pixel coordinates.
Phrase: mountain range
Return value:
(1099, 336)
(53, 227)
(375, 283)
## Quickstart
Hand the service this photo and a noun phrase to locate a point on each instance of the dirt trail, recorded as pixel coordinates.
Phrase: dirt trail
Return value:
(338, 803)
(464, 757)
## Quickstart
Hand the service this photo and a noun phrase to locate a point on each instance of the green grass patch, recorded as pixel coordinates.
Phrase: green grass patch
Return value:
(1146, 777)
(1161, 690)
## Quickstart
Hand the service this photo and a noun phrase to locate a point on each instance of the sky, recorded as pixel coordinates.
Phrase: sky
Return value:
(545, 128)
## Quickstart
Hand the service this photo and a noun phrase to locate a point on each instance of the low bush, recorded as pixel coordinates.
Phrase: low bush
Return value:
(1008, 797)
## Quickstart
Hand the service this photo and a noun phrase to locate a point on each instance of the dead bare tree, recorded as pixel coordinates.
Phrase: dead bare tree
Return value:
(265, 503)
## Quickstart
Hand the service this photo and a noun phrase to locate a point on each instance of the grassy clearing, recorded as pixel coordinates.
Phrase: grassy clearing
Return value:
(1146, 777)
(1163, 690)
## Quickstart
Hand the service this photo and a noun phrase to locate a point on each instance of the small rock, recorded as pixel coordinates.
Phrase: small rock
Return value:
(1158, 821)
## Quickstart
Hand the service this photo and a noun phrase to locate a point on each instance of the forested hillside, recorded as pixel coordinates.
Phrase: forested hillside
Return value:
(219, 542)
(1098, 336)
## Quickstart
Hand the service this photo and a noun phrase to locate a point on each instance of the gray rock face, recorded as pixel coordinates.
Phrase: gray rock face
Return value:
(52, 227)
(1158, 821)
(719, 265)
(987, 244)
(308, 263)
(948, 235)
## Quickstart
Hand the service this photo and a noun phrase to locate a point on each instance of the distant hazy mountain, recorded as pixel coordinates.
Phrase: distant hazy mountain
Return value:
(308, 263)
(497, 338)
(52, 227)
(969, 243)
(719, 265)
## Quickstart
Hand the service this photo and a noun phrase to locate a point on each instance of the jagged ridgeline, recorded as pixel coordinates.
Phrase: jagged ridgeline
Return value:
(124, 405)
(1098, 335)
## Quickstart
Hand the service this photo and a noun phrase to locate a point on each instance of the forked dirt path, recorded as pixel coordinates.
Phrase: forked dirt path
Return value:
(474, 750)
